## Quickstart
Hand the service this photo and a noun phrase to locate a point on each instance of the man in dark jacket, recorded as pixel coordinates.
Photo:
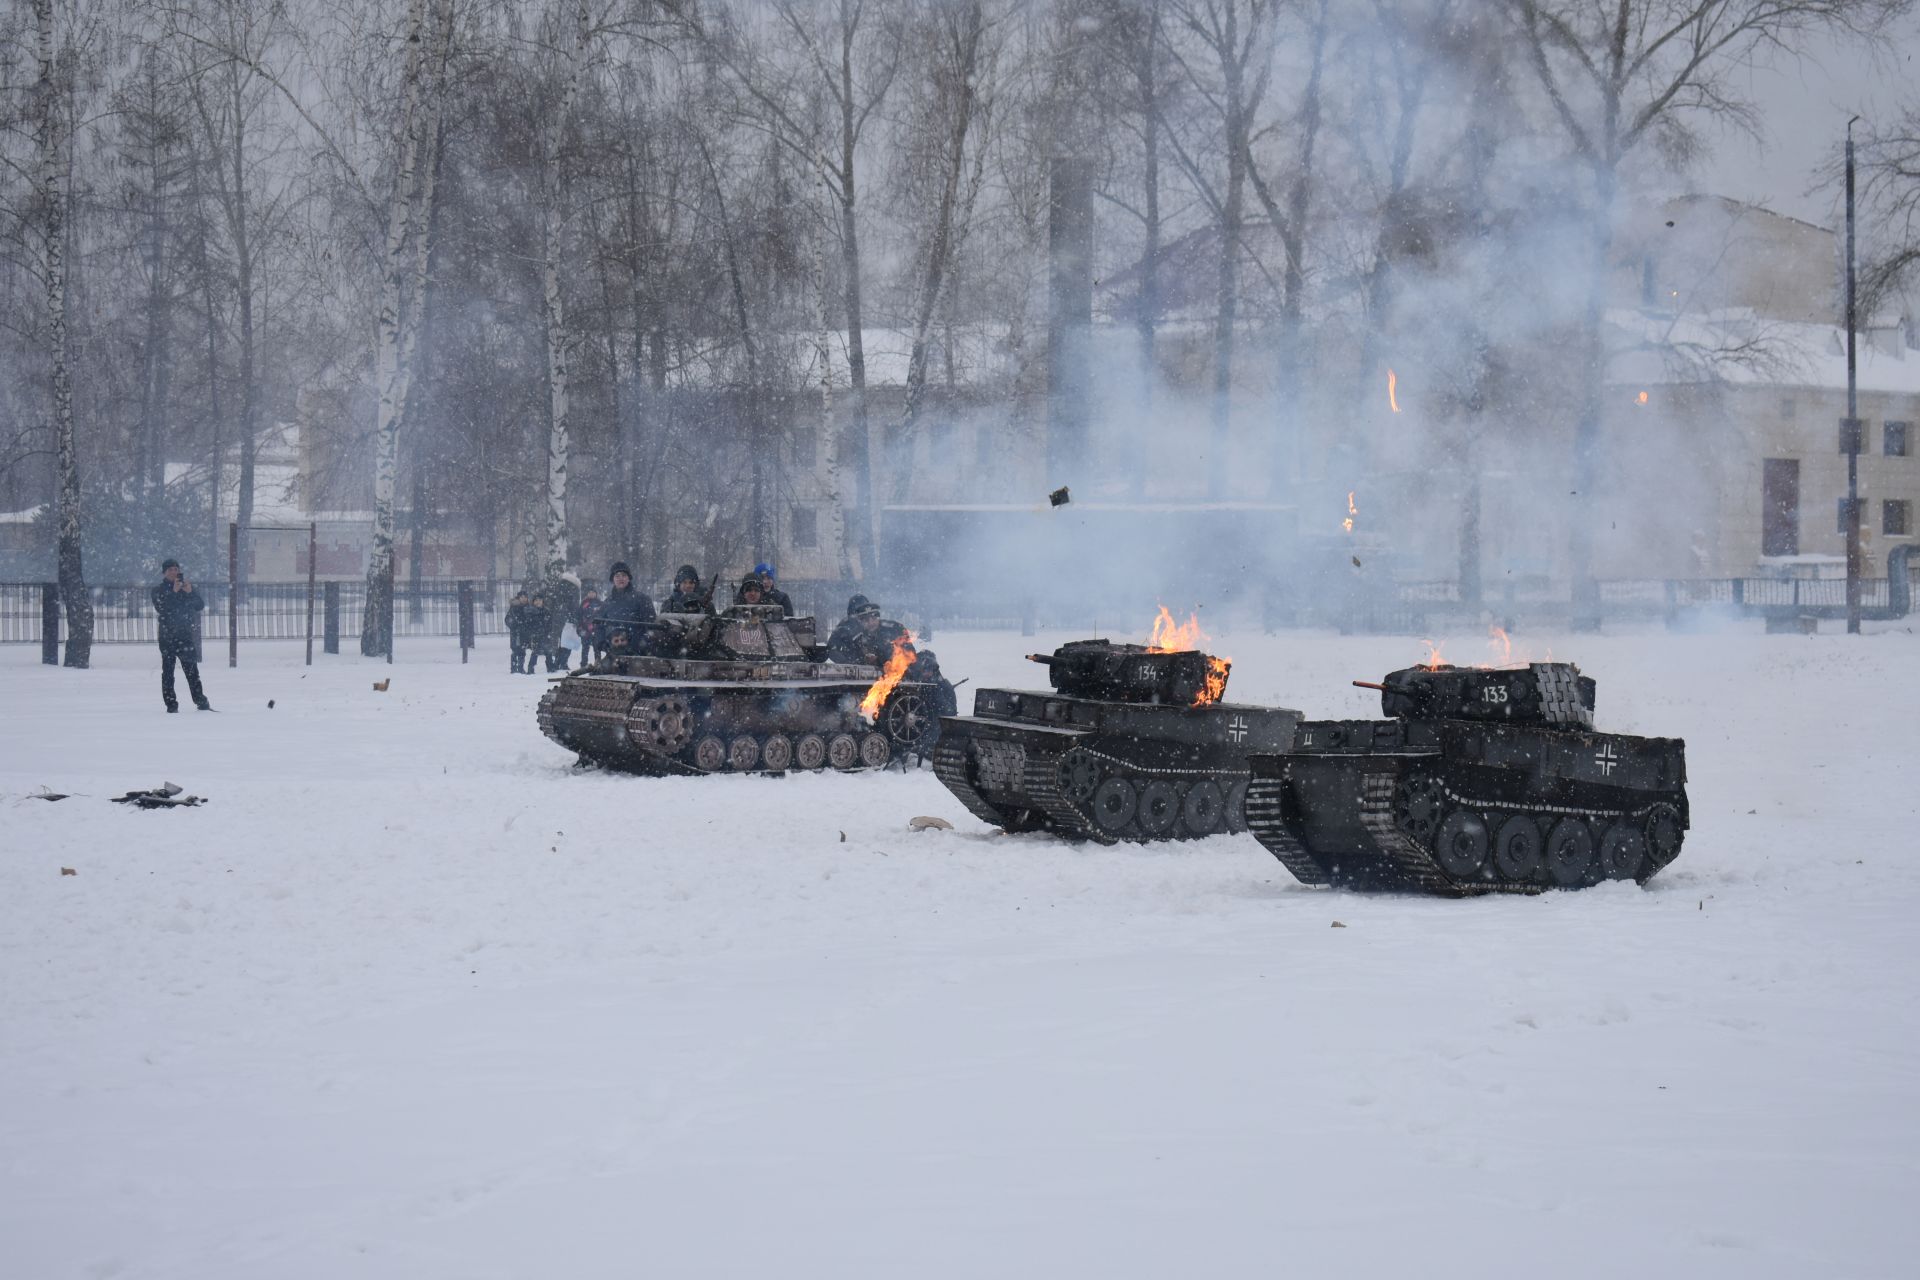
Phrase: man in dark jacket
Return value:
(178, 605)
(864, 636)
(536, 628)
(687, 596)
(517, 629)
(769, 593)
(620, 613)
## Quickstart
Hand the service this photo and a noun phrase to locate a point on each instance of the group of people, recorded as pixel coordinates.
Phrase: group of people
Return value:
(597, 626)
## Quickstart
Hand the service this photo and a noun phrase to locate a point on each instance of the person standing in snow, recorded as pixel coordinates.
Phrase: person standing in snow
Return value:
(585, 621)
(517, 628)
(536, 628)
(178, 606)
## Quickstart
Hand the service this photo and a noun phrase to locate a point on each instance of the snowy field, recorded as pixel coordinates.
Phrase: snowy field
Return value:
(411, 999)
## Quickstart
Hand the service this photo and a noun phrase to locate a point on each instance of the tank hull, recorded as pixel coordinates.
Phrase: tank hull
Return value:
(1460, 808)
(1105, 771)
(659, 716)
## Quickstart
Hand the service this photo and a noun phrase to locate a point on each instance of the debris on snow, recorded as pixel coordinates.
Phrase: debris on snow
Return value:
(165, 796)
(68, 871)
(924, 823)
(45, 793)
(1339, 925)
(380, 686)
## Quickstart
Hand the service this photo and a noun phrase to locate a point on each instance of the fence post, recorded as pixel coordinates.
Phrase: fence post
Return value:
(50, 623)
(330, 634)
(466, 619)
(313, 548)
(233, 593)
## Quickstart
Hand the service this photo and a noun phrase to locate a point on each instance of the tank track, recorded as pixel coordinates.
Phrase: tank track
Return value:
(1407, 862)
(1043, 765)
(1266, 818)
(741, 753)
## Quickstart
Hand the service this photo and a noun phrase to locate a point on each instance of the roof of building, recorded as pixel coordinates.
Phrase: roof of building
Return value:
(1738, 348)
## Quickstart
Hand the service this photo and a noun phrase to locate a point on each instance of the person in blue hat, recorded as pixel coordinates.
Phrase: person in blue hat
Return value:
(769, 593)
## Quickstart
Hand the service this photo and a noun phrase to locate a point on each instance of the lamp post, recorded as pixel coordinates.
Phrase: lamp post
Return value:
(1851, 427)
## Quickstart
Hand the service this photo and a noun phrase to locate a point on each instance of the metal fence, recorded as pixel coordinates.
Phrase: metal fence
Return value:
(123, 614)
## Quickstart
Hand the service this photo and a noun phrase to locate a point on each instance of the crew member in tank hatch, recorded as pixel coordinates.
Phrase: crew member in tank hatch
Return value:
(622, 611)
(687, 596)
(770, 592)
(864, 636)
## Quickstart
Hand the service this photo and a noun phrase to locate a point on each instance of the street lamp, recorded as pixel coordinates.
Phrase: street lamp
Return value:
(1850, 427)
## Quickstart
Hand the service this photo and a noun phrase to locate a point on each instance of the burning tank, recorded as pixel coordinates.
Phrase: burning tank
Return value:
(1484, 780)
(1133, 743)
(747, 691)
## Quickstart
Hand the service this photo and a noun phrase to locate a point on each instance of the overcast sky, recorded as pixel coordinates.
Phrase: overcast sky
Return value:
(1805, 103)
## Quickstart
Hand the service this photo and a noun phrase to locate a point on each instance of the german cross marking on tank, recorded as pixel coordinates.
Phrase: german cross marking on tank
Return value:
(1237, 728)
(1606, 758)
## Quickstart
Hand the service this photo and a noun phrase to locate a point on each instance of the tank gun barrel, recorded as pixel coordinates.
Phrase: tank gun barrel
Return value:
(1370, 684)
(1044, 659)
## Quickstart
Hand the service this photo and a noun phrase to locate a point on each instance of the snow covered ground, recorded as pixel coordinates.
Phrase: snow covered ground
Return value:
(409, 998)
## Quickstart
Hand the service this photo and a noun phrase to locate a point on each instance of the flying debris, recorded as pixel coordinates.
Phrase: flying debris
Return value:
(1060, 497)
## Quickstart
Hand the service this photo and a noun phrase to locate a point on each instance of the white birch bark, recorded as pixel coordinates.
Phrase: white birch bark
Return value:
(553, 236)
(389, 337)
(823, 352)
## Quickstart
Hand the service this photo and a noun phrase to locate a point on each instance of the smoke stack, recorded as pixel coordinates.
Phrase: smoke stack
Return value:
(1069, 310)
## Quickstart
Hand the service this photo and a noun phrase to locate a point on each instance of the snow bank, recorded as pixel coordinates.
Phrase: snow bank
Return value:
(409, 998)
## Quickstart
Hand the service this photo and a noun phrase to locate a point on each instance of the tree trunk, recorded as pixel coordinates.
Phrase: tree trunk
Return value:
(1228, 291)
(1586, 428)
(856, 443)
(823, 352)
(559, 355)
(1470, 586)
(376, 633)
(940, 247)
(53, 179)
(1148, 320)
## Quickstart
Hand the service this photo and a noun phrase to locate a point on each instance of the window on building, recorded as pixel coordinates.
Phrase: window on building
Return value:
(805, 528)
(1853, 435)
(1780, 507)
(1893, 439)
(1896, 518)
(1788, 408)
(806, 446)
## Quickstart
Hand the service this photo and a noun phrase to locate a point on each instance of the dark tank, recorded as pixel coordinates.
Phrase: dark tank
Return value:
(747, 691)
(1132, 744)
(1483, 781)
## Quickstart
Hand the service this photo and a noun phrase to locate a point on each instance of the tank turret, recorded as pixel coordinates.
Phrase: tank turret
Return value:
(1549, 693)
(1111, 672)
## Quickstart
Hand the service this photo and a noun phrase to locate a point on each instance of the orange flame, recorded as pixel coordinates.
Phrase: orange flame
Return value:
(1501, 643)
(891, 675)
(1181, 637)
(1393, 386)
(1352, 511)
(1434, 661)
(1641, 398)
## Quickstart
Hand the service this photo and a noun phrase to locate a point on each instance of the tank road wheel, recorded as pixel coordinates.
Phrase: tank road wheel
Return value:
(875, 750)
(1664, 834)
(1572, 860)
(810, 751)
(1114, 803)
(1517, 855)
(1079, 776)
(1237, 806)
(1159, 808)
(910, 722)
(842, 751)
(743, 753)
(1417, 805)
(1462, 845)
(776, 753)
(672, 724)
(1623, 851)
(1205, 808)
(710, 753)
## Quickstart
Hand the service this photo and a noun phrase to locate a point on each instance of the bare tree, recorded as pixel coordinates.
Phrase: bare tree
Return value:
(1627, 77)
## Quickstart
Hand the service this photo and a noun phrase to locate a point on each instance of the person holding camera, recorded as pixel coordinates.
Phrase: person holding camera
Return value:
(178, 606)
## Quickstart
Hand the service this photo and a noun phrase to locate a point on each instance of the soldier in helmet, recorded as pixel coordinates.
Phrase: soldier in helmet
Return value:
(864, 636)
(752, 591)
(770, 592)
